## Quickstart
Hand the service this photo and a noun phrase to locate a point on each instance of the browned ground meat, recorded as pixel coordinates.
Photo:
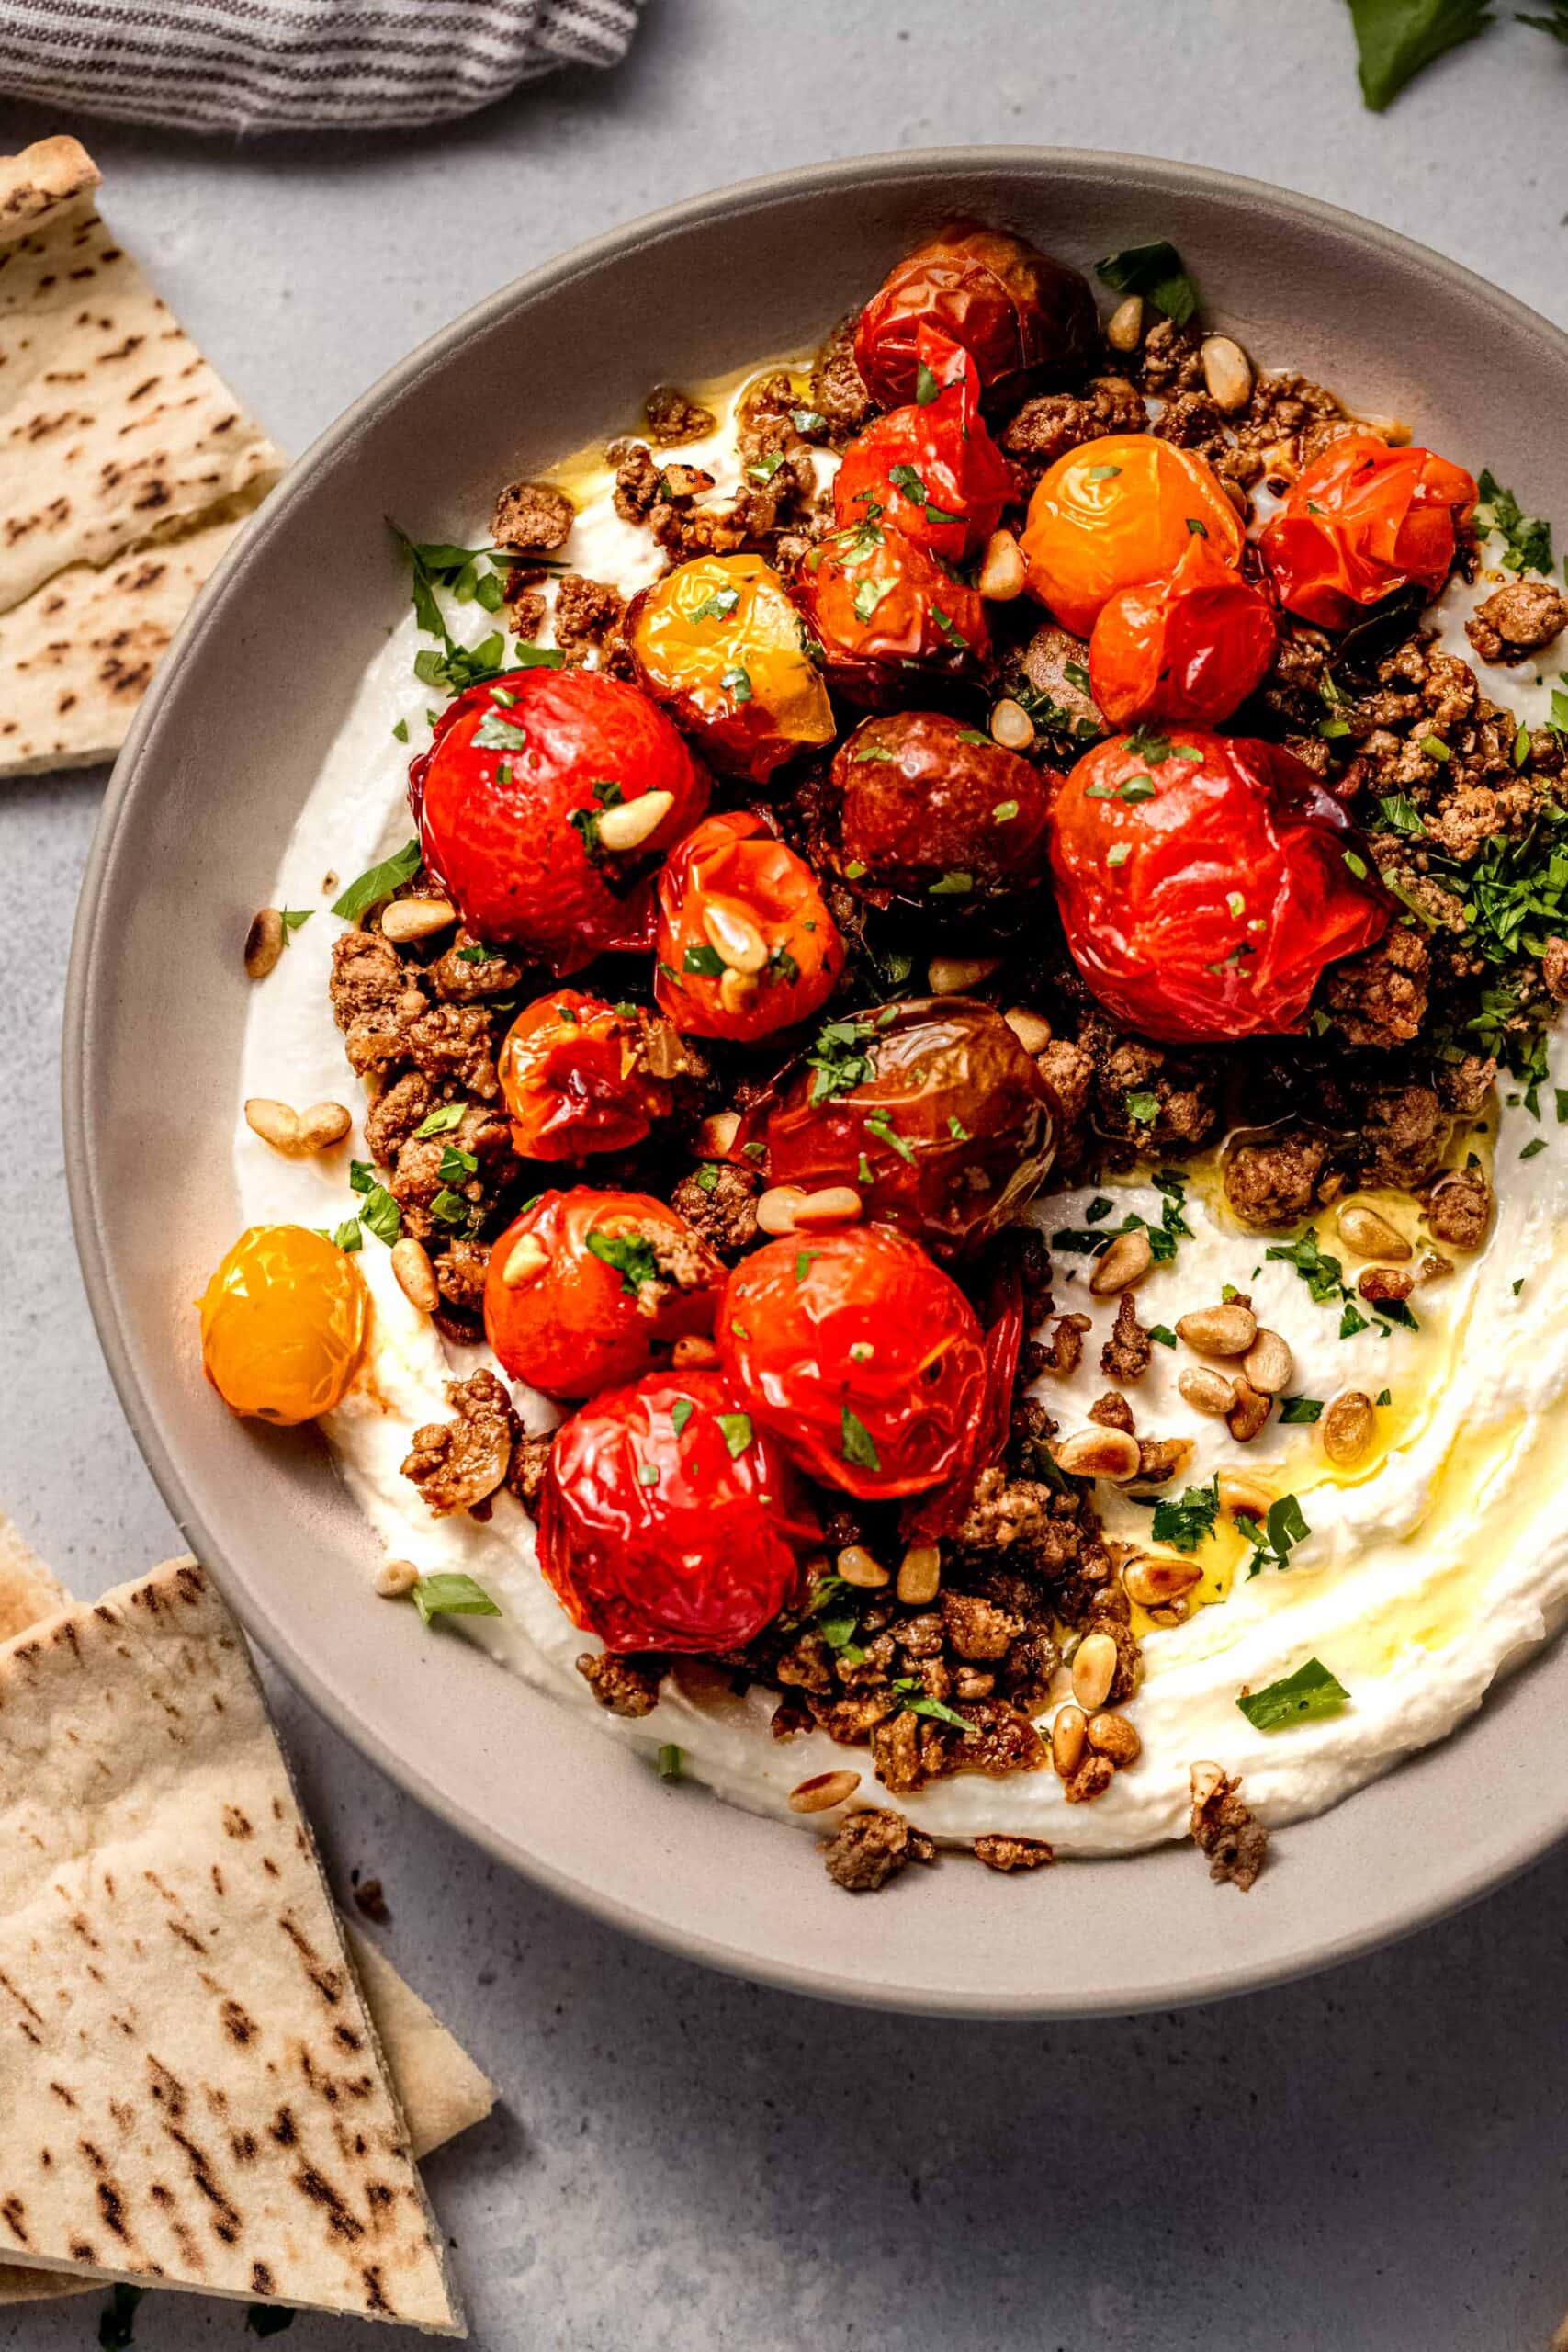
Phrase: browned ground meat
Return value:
(1127, 1352)
(1091, 1779)
(674, 418)
(392, 1120)
(1192, 421)
(874, 1847)
(1379, 998)
(836, 392)
(1046, 429)
(1049, 674)
(532, 515)
(461, 978)
(525, 1474)
(1067, 1066)
(460, 1272)
(1458, 1208)
(1171, 359)
(1129, 1073)
(1555, 968)
(1013, 1853)
(1275, 1180)
(637, 479)
(1062, 1352)
(1225, 1830)
(376, 999)
(623, 1686)
(459, 1463)
(1285, 416)
(976, 1628)
(720, 1202)
(526, 605)
(1427, 732)
(1517, 620)
(587, 612)
(1401, 1135)
(1112, 1411)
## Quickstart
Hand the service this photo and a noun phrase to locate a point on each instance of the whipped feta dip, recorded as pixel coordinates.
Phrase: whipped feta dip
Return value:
(1436, 1562)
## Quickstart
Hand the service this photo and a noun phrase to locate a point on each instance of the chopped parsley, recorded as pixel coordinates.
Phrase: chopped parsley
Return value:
(494, 733)
(1189, 1522)
(680, 1412)
(1163, 1333)
(927, 386)
(718, 606)
(839, 1061)
(858, 1446)
(1004, 812)
(1273, 1543)
(1156, 272)
(1400, 815)
(1143, 1109)
(380, 1215)
(349, 1235)
(736, 1431)
(705, 960)
(879, 1124)
(737, 681)
(1310, 1694)
(630, 1254)
(953, 885)
(1301, 1410)
(378, 882)
(457, 1165)
(671, 1763)
(1323, 1275)
(868, 595)
(809, 420)
(804, 1262)
(449, 1208)
(1102, 473)
(918, 1701)
(706, 1178)
(1531, 1149)
(1527, 540)
(449, 1595)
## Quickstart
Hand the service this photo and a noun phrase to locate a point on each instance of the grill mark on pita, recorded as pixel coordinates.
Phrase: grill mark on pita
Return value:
(319, 2192)
(19, 1997)
(13, 2212)
(111, 2205)
(375, 2294)
(67, 2098)
(261, 2278)
(229, 2221)
(327, 1979)
(238, 2025)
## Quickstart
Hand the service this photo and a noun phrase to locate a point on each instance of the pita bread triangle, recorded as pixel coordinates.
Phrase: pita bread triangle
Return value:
(191, 2084)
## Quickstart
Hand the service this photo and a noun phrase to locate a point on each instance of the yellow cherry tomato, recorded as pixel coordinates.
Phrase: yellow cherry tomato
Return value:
(1116, 513)
(719, 643)
(283, 1324)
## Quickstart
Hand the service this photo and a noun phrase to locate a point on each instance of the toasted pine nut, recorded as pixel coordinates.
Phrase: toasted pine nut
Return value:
(416, 1274)
(1099, 1453)
(920, 1574)
(1125, 327)
(1347, 1428)
(1011, 725)
(1223, 1330)
(1152, 1582)
(527, 1261)
(322, 1125)
(662, 1051)
(1032, 1029)
(1392, 429)
(832, 1205)
(1250, 1408)
(776, 1208)
(1068, 1736)
(1244, 1496)
(264, 943)
(956, 975)
(1204, 1780)
(735, 937)
(1206, 1391)
(1112, 1737)
(1227, 372)
(394, 1578)
(856, 1565)
(692, 1352)
(1379, 1283)
(630, 823)
(409, 919)
(1123, 1266)
(716, 1136)
(1094, 1671)
(1000, 577)
(275, 1123)
(736, 989)
(1371, 1236)
(823, 1790)
(1269, 1364)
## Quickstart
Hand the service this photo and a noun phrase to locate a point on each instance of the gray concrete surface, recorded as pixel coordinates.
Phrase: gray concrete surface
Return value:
(1375, 2159)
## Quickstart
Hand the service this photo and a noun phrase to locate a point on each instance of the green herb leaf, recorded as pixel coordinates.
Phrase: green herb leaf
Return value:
(1142, 1109)
(1004, 812)
(380, 1215)
(457, 1165)
(858, 1447)
(349, 1235)
(1396, 39)
(839, 1061)
(926, 385)
(1399, 814)
(401, 730)
(378, 882)
(737, 1430)
(1527, 540)
(809, 420)
(450, 1595)
(951, 886)
(494, 733)
(449, 1208)
(1312, 1693)
(1277, 1538)
(671, 1763)
(705, 960)
(1163, 1333)
(1156, 272)
(919, 1702)
(440, 1122)
(1323, 1275)
(1191, 1520)
(680, 1412)
(1300, 1408)
(630, 1254)
(737, 681)
(1531, 1149)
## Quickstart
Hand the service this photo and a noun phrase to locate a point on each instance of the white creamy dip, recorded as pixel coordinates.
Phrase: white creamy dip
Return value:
(1439, 1560)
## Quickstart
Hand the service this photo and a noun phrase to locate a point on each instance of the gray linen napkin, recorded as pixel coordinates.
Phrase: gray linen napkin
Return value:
(251, 65)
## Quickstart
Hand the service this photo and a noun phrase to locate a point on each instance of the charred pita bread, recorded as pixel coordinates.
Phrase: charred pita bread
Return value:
(115, 438)
(161, 1900)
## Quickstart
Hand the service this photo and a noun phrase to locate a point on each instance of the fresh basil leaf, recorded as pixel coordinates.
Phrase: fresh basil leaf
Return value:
(630, 1254)
(1312, 1693)
(378, 882)
(440, 1122)
(450, 1595)
(1156, 272)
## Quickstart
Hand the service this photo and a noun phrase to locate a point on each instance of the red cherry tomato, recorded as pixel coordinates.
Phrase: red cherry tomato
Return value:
(1362, 521)
(1027, 320)
(746, 945)
(575, 1078)
(510, 798)
(1203, 884)
(930, 1109)
(1114, 512)
(860, 1355)
(669, 1520)
(927, 806)
(932, 468)
(603, 1286)
(878, 603)
(1187, 649)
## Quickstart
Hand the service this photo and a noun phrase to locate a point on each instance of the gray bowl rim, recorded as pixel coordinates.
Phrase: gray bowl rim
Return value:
(1319, 1949)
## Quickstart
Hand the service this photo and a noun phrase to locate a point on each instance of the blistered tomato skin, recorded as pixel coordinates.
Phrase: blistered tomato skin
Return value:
(746, 945)
(876, 603)
(1029, 322)
(719, 644)
(1116, 513)
(594, 1310)
(1204, 884)
(860, 1355)
(575, 1079)
(930, 1109)
(508, 801)
(669, 1522)
(1362, 521)
(1186, 650)
(283, 1324)
(932, 810)
(932, 468)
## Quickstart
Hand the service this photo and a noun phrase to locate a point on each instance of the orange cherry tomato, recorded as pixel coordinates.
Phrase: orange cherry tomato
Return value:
(879, 606)
(719, 642)
(1187, 649)
(605, 1285)
(1027, 320)
(860, 1354)
(575, 1079)
(1204, 884)
(283, 1324)
(669, 1522)
(1362, 521)
(1116, 512)
(746, 944)
(932, 468)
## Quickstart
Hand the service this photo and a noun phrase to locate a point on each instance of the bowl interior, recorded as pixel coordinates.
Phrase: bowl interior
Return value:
(222, 757)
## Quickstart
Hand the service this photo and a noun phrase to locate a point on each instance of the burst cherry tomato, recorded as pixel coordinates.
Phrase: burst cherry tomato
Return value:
(1362, 521)
(1186, 648)
(601, 1287)
(877, 604)
(575, 1076)
(1114, 512)
(283, 1324)
(746, 945)
(719, 642)
(932, 810)
(512, 799)
(863, 1357)
(930, 1109)
(932, 468)
(669, 1520)
(1203, 884)
(1027, 320)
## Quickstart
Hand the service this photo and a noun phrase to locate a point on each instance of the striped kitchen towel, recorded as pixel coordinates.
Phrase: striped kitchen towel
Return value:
(252, 65)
